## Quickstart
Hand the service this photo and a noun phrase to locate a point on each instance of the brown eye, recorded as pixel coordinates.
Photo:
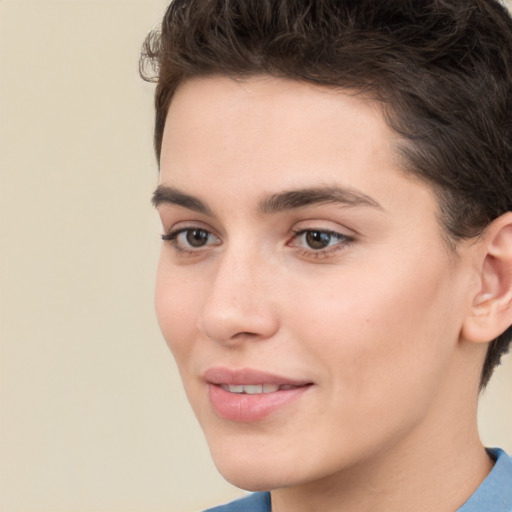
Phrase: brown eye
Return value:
(320, 242)
(318, 239)
(197, 237)
(189, 239)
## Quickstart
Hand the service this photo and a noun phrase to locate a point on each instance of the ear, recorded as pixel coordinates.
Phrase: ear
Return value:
(491, 311)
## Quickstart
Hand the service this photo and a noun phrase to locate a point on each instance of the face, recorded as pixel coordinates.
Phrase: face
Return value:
(304, 286)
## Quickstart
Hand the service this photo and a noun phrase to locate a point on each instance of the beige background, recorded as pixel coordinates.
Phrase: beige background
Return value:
(92, 416)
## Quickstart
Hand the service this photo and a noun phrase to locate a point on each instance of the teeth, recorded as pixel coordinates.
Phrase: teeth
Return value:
(235, 389)
(255, 389)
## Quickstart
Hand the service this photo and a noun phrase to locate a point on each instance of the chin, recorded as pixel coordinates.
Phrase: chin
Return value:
(252, 477)
(252, 466)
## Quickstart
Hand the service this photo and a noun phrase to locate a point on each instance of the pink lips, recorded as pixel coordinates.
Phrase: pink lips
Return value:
(251, 403)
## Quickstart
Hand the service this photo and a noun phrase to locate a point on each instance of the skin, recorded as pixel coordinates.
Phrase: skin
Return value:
(374, 320)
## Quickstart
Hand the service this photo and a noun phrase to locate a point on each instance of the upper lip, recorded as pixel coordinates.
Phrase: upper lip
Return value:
(247, 376)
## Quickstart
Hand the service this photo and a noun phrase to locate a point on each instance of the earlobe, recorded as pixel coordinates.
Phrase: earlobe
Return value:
(491, 310)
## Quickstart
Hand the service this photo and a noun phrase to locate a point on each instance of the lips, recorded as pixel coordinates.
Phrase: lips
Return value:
(219, 375)
(250, 395)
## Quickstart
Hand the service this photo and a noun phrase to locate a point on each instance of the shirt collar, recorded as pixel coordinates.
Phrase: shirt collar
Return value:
(495, 492)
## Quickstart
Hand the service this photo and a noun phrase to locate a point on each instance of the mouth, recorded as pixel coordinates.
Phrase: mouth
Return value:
(250, 395)
(255, 389)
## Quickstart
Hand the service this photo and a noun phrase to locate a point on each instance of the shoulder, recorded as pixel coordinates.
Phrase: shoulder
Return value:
(256, 502)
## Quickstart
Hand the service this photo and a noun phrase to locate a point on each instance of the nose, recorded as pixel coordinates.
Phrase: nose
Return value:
(238, 305)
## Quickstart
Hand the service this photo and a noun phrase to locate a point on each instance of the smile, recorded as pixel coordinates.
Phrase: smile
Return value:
(249, 396)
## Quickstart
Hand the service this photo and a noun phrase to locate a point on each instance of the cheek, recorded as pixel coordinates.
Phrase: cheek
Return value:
(176, 304)
(381, 334)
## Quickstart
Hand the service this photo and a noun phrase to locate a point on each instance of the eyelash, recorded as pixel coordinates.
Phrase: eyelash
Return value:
(172, 238)
(343, 241)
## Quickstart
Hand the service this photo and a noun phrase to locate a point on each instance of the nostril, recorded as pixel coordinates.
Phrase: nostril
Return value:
(246, 335)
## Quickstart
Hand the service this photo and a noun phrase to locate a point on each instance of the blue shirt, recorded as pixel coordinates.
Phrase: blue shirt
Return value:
(493, 495)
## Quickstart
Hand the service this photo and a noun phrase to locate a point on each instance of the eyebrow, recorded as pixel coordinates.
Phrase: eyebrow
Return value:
(170, 195)
(301, 198)
(275, 203)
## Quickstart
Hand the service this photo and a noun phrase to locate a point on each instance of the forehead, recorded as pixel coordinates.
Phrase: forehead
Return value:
(262, 134)
(274, 109)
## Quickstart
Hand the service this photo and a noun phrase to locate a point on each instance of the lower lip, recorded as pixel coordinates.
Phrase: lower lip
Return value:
(248, 408)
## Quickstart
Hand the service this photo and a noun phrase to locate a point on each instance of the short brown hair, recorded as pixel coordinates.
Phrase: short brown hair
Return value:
(442, 70)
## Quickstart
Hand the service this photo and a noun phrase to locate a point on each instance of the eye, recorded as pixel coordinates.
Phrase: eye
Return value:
(318, 241)
(196, 237)
(189, 239)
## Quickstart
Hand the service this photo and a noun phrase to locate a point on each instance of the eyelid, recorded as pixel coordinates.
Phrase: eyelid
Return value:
(183, 225)
(324, 225)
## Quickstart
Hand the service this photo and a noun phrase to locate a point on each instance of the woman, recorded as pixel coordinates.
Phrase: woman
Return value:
(336, 274)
